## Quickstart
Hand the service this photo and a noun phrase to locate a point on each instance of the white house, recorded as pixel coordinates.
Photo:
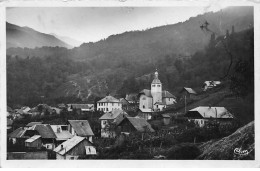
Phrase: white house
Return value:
(155, 99)
(210, 84)
(202, 114)
(108, 104)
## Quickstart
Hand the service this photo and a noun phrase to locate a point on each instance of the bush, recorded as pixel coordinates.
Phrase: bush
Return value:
(185, 151)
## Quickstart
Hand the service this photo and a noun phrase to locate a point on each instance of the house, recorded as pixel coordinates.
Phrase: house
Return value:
(108, 104)
(62, 106)
(187, 93)
(18, 136)
(48, 136)
(130, 102)
(202, 114)
(145, 113)
(108, 122)
(166, 119)
(73, 148)
(55, 110)
(149, 98)
(81, 128)
(62, 133)
(210, 84)
(82, 107)
(134, 124)
(34, 142)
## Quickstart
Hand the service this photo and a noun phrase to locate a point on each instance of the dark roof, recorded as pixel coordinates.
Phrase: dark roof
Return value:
(18, 133)
(33, 123)
(140, 124)
(109, 99)
(167, 94)
(45, 131)
(81, 127)
(146, 92)
(81, 106)
(113, 114)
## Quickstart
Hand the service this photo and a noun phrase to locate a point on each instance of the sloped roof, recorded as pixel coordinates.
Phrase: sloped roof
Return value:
(212, 83)
(146, 92)
(140, 124)
(156, 81)
(146, 110)
(167, 94)
(81, 106)
(160, 103)
(33, 138)
(212, 112)
(63, 135)
(33, 123)
(189, 90)
(112, 115)
(166, 115)
(68, 145)
(18, 133)
(45, 130)
(81, 127)
(109, 99)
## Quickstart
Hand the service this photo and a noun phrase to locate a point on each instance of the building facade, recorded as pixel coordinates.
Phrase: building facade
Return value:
(108, 104)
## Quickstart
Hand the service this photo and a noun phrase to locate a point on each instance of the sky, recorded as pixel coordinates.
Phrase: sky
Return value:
(91, 24)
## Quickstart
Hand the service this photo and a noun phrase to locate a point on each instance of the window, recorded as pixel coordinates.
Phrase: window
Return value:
(169, 99)
(143, 106)
(144, 98)
(107, 109)
(153, 85)
(112, 104)
(158, 85)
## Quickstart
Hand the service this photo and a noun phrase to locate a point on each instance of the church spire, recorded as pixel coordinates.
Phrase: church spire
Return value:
(156, 79)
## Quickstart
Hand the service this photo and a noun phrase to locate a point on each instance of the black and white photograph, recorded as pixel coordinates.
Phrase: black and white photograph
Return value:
(129, 83)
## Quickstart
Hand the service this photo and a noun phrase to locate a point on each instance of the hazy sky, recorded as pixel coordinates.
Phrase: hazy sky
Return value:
(95, 23)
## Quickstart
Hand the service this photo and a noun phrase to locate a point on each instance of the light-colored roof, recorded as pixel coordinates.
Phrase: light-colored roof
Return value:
(166, 115)
(81, 127)
(189, 90)
(160, 103)
(212, 83)
(113, 114)
(109, 99)
(140, 124)
(167, 94)
(146, 92)
(146, 110)
(212, 112)
(68, 145)
(33, 138)
(33, 123)
(61, 134)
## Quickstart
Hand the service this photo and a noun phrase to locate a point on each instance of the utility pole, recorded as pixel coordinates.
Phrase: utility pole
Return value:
(185, 103)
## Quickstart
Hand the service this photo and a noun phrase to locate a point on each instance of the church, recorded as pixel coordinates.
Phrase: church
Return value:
(155, 99)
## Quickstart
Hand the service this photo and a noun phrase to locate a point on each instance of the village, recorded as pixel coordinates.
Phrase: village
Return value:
(142, 125)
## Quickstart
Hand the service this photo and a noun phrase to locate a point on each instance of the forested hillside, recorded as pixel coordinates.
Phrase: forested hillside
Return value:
(34, 80)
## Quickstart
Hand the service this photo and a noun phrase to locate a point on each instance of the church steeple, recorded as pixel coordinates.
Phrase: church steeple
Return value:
(156, 88)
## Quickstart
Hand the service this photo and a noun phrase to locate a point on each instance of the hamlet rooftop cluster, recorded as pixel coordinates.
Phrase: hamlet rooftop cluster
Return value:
(109, 118)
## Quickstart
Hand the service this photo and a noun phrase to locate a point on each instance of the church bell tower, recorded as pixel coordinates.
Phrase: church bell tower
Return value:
(156, 89)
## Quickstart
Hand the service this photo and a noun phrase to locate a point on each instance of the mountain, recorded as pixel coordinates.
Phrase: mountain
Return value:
(68, 40)
(26, 37)
(184, 55)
